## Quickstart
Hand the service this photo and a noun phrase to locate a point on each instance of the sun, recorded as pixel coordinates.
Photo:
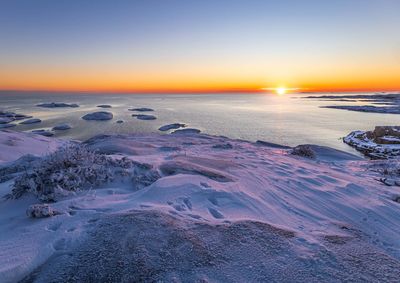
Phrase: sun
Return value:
(280, 90)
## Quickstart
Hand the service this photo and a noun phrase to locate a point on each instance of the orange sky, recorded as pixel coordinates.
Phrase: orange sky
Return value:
(200, 46)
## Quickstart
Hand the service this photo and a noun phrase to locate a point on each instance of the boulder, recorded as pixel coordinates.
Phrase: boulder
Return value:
(171, 127)
(141, 109)
(57, 105)
(98, 116)
(144, 117)
(31, 121)
(61, 127)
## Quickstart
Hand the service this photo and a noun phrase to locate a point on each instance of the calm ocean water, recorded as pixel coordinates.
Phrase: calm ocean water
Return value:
(287, 119)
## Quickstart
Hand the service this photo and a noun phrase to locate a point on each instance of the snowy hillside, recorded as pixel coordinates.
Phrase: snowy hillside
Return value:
(185, 208)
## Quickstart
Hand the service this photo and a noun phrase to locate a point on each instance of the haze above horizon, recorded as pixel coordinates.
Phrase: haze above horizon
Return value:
(200, 46)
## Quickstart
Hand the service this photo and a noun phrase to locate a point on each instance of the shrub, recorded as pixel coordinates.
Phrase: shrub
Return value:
(40, 211)
(388, 168)
(304, 151)
(70, 169)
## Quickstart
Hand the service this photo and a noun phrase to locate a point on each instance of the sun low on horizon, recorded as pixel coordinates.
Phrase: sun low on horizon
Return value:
(200, 46)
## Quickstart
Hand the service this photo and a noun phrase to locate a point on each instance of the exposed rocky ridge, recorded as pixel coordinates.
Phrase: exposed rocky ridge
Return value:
(381, 143)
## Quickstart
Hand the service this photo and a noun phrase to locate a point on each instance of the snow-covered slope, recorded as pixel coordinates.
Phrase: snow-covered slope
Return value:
(13, 145)
(222, 210)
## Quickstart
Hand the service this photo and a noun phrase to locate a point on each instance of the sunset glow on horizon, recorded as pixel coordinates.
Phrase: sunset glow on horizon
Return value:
(203, 46)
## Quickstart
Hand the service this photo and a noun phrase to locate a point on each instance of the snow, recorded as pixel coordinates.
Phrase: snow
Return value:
(360, 141)
(14, 145)
(245, 213)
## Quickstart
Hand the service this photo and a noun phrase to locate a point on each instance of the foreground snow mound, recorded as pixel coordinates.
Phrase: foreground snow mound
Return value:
(140, 246)
(191, 208)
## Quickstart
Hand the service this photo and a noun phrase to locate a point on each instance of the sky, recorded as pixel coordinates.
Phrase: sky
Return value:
(199, 46)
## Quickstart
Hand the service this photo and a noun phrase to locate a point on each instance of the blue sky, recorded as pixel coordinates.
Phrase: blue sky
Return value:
(266, 42)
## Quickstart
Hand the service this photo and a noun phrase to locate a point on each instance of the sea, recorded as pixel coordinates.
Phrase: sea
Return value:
(289, 119)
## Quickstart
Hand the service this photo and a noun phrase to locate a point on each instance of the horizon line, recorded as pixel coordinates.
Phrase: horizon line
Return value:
(201, 91)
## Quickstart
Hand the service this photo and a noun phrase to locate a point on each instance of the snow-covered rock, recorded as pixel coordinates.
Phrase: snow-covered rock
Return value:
(57, 105)
(31, 121)
(5, 126)
(6, 120)
(144, 117)
(187, 131)
(141, 109)
(62, 127)
(7, 117)
(382, 142)
(98, 116)
(43, 132)
(171, 127)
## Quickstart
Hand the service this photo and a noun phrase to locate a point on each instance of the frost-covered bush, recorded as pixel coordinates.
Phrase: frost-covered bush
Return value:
(388, 169)
(41, 211)
(69, 169)
(304, 151)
